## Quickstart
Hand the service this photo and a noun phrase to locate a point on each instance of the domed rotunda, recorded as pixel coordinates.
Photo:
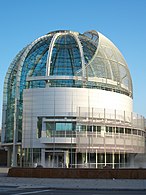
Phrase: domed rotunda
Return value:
(68, 102)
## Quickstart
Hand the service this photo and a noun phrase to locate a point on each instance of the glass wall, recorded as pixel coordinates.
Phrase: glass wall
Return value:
(58, 159)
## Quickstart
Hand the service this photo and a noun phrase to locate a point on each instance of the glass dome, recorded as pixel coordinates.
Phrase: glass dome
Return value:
(72, 59)
(65, 59)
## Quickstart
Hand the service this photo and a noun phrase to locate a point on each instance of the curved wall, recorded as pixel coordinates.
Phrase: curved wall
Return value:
(64, 102)
(61, 101)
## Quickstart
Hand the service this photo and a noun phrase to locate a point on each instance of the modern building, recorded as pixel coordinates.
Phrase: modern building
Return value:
(68, 102)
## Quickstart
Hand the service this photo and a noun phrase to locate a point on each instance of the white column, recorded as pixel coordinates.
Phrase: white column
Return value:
(75, 159)
(132, 160)
(119, 159)
(105, 158)
(57, 162)
(66, 159)
(86, 156)
(49, 160)
(113, 160)
(14, 155)
(83, 159)
(96, 159)
(43, 157)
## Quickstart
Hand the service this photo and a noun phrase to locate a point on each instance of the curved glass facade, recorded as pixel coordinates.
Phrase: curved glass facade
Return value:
(9, 98)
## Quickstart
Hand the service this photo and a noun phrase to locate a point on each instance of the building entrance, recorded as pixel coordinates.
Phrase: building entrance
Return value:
(56, 159)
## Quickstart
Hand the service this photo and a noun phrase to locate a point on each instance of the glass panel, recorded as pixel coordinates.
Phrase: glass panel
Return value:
(64, 127)
(66, 58)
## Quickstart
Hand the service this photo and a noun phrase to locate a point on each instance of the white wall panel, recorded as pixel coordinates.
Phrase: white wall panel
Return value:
(44, 101)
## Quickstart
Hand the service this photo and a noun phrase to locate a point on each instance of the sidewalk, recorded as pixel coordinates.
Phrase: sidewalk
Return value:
(71, 183)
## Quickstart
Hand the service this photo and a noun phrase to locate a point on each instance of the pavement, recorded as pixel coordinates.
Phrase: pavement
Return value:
(57, 183)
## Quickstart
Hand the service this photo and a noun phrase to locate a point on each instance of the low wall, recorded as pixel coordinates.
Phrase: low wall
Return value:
(78, 173)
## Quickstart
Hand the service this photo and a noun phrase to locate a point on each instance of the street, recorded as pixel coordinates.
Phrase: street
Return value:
(21, 191)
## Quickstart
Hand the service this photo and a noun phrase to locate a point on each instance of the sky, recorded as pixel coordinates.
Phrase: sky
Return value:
(122, 21)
